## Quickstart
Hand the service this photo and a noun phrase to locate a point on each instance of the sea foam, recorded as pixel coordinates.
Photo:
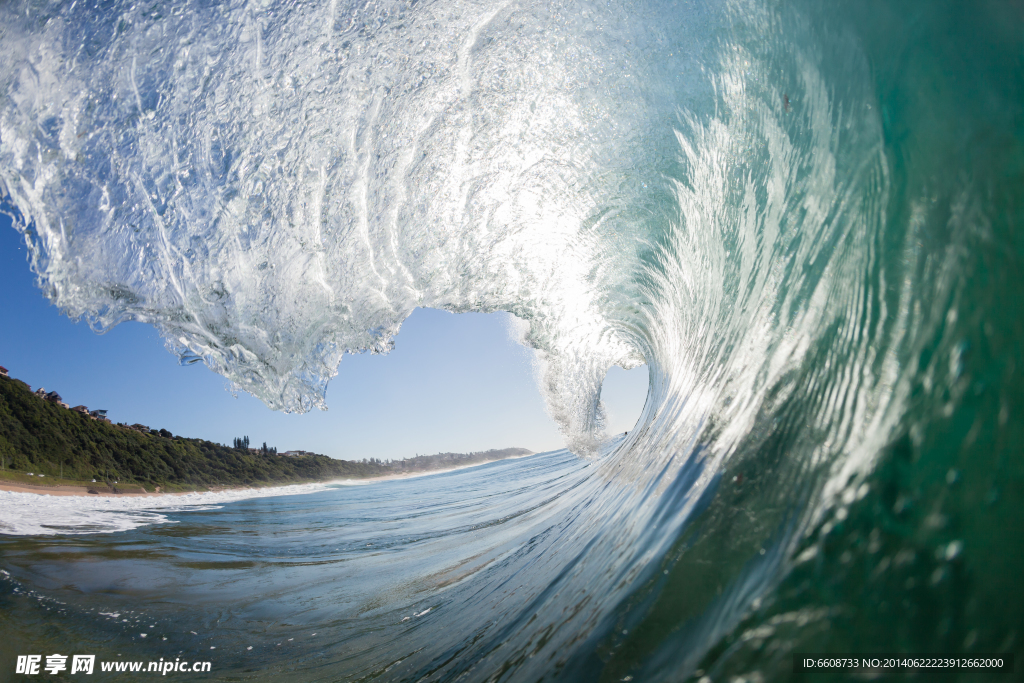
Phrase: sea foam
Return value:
(34, 514)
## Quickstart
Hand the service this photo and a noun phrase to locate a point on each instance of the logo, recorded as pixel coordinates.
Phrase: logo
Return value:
(55, 663)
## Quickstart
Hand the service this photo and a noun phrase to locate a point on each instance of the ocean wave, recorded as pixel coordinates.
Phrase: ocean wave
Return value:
(810, 248)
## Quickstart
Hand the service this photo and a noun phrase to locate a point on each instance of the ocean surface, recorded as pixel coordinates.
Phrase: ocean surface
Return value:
(804, 217)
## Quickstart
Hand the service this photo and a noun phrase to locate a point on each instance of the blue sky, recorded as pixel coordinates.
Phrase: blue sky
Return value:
(453, 382)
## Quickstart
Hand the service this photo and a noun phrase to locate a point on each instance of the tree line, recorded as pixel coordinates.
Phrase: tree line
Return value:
(41, 437)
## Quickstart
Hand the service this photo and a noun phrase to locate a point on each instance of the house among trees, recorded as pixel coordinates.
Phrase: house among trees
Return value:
(140, 428)
(81, 409)
(52, 397)
(3, 371)
(100, 415)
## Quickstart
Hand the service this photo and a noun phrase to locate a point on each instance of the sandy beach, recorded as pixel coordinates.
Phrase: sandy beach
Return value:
(136, 491)
(70, 490)
(48, 509)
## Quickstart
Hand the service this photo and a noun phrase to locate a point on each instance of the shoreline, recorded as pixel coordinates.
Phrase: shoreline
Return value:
(49, 510)
(76, 490)
(413, 475)
(83, 491)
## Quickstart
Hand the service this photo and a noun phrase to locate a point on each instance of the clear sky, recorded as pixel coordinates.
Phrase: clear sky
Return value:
(453, 382)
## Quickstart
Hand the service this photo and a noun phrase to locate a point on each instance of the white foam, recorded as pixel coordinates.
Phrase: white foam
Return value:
(34, 514)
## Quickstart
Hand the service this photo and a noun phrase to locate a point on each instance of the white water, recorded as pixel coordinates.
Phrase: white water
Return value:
(35, 514)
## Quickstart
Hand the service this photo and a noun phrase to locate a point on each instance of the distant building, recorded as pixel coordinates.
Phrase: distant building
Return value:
(99, 414)
(53, 397)
(81, 409)
(40, 392)
(140, 428)
(3, 371)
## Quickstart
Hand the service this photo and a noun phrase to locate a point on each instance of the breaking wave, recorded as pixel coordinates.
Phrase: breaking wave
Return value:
(785, 212)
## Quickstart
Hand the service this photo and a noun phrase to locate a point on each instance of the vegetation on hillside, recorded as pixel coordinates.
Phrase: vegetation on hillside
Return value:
(42, 437)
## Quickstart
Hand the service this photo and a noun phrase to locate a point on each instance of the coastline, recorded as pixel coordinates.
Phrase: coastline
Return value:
(48, 510)
(73, 490)
(413, 475)
(103, 491)
(132, 492)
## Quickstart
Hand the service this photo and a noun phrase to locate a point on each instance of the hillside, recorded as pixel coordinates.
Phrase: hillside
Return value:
(42, 437)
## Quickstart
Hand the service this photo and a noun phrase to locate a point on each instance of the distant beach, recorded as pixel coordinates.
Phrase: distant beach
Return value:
(135, 491)
(59, 490)
(47, 509)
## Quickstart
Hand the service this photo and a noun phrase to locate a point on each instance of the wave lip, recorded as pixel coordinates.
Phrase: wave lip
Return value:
(272, 188)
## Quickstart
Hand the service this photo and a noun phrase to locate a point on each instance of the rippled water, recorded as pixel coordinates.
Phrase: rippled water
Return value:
(432, 575)
(805, 221)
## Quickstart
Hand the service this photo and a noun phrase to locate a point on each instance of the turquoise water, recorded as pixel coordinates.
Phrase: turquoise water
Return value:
(804, 220)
